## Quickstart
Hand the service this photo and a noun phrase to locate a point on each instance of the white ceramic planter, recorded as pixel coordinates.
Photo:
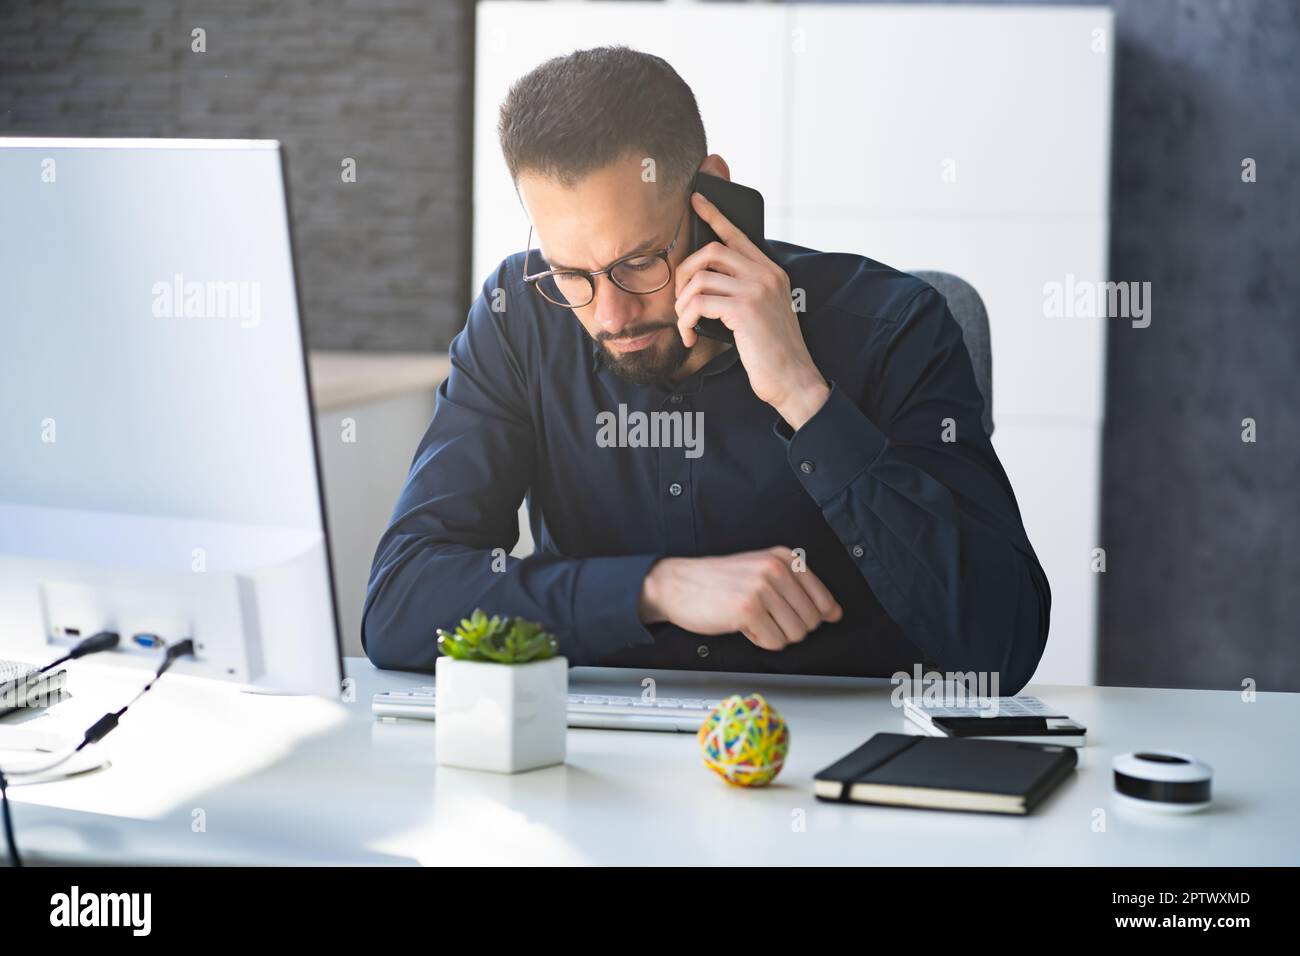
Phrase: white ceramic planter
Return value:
(502, 717)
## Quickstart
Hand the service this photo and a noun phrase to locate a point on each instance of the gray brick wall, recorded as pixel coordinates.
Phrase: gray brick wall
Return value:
(384, 261)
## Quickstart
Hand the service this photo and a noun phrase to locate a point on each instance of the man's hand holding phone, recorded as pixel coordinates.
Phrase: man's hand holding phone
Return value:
(733, 281)
(758, 593)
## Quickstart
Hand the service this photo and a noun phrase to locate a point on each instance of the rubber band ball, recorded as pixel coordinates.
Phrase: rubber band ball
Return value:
(745, 741)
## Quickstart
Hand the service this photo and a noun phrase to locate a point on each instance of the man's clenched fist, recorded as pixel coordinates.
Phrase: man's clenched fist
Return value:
(758, 593)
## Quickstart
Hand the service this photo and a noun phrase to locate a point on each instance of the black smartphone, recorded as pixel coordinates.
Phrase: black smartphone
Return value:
(744, 208)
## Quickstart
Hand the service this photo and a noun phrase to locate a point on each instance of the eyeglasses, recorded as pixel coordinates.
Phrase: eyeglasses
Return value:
(640, 273)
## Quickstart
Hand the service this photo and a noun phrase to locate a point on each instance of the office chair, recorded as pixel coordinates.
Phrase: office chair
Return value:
(968, 309)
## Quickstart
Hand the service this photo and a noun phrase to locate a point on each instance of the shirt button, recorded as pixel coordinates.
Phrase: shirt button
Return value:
(857, 551)
(674, 489)
(702, 650)
(675, 399)
(807, 467)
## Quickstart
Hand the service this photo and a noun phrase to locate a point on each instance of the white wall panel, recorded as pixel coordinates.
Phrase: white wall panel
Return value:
(1043, 368)
(883, 95)
(1054, 470)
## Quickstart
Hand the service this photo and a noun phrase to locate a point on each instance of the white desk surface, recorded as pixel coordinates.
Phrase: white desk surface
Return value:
(303, 780)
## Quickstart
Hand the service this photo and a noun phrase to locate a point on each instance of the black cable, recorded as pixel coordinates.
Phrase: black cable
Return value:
(94, 733)
(108, 723)
(103, 641)
(14, 858)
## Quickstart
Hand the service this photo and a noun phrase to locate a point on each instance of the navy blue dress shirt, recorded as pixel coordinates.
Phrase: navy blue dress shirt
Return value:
(908, 519)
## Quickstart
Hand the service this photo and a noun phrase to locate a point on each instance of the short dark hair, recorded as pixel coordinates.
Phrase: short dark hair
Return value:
(577, 113)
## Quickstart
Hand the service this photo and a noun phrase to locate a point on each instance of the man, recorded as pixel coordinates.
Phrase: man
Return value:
(827, 500)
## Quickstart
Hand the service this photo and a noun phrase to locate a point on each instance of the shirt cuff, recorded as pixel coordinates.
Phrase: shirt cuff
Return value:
(607, 604)
(833, 447)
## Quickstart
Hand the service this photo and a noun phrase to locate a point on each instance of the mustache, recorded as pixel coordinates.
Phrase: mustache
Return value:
(635, 331)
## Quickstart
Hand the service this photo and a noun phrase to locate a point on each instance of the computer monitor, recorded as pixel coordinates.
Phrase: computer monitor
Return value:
(158, 466)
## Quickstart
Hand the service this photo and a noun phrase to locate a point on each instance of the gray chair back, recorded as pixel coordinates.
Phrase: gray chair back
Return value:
(968, 309)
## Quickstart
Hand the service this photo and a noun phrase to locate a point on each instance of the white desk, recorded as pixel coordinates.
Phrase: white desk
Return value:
(299, 780)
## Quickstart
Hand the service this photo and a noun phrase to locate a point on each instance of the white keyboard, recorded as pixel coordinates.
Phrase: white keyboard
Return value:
(23, 686)
(602, 711)
(11, 669)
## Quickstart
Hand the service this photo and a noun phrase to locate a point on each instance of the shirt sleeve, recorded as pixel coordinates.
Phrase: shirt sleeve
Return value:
(446, 550)
(921, 503)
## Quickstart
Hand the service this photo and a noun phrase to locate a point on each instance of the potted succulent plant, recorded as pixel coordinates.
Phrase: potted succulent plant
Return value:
(502, 695)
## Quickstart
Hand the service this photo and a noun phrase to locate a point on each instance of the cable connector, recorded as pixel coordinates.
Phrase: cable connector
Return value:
(183, 648)
(103, 641)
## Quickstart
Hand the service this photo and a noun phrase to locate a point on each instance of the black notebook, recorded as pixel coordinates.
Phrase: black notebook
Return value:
(947, 773)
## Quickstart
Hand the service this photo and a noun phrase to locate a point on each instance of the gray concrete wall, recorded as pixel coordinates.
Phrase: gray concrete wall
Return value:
(1202, 530)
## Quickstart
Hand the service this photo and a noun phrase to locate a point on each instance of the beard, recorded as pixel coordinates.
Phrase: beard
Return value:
(650, 366)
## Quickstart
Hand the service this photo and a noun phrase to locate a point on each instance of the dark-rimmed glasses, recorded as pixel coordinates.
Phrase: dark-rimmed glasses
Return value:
(640, 273)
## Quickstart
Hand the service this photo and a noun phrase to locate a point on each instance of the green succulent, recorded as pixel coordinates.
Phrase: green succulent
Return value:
(501, 640)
